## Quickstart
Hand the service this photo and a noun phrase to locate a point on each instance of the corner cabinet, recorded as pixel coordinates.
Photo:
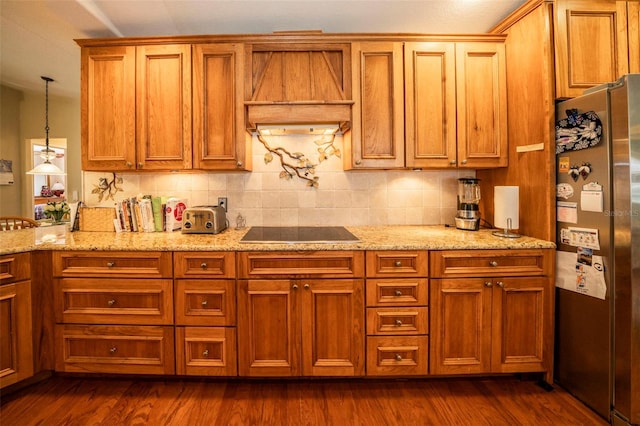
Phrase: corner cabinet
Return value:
(492, 311)
(301, 314)
(456, 104)
(16, 345)
(220, 140)
(136, 107)
(596, 42)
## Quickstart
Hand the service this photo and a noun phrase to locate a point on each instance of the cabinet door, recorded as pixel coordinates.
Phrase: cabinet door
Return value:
(332, 315)
(519, 310)
(268, 328)
(633, 27)
(481, 105)
(220, 141)
(378, 125)
(16, 347)
(163, 107)
(460, 326)
(591, 44)
(430, 104)
(108, 108)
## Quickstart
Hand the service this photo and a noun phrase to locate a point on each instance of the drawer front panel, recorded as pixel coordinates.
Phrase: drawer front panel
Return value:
(326, 264)
(206, 351)
(205, 302)
(492, 263)
(15, 267)
(397, 292)
(397, 264)
(108, 301)
(397, 321)
(397, 356)
(138, 264)
(204, 265)
(112, 349)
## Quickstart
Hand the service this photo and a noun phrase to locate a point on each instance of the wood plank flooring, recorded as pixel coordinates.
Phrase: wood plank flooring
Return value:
(125, 401)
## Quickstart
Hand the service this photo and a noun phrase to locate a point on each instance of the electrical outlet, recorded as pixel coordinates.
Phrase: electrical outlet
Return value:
(222, 202)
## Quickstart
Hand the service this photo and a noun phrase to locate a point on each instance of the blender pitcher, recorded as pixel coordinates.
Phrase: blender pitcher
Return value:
(468, 217)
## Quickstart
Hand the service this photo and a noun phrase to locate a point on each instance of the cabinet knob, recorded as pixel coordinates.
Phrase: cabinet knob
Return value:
(140, 165)
(358, 162)
(295, 286)
(493, 263)
(111, 302)
(113, 350)
(397, 292)
(398, 357)
(203, 265)
(500, 284)
(204, 303)
(464, 161)
(452, 162)
(397, 263)
(398, 322)
(488, 284)
(205, 353)
(239, 164)
(111, 264)
(129, 164)
(307, 286)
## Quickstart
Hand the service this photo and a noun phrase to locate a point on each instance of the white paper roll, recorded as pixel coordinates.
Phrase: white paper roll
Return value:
(505, 206)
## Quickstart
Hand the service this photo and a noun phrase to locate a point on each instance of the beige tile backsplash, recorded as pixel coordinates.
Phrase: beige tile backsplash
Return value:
(343, 198)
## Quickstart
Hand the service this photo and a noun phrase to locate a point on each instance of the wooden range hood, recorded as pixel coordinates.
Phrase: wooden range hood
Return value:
(308, 85)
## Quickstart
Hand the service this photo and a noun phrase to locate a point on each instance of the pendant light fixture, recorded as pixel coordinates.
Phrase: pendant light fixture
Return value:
(47, 154)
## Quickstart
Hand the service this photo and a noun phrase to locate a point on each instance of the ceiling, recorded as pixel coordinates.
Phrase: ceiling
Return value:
(37, 36)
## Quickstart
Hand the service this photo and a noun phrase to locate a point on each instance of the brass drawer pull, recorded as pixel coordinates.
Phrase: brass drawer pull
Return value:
(295, 286)
(398, 357)
(113, 350)
(205, 353)
(204, 303)
(488, 284)
(111, 302)
(398, 293)
(398, 263)
(203, 265)
(500, 284)
(307, 286)
(398, 322)
(111, 264)
(493, 263)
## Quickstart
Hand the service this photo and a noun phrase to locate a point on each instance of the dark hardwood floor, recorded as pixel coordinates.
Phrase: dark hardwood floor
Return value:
(125, 401)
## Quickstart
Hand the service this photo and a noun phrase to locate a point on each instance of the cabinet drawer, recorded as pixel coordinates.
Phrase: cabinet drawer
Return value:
(206, 351)
(204, 265)
(397, 356)
(397, 292)
(491, 263)
(138, 264)
(396, 321)
(108, 301)
(114, 349)
(15, 267)
(205, 302)
(324, 264)
(397, 264)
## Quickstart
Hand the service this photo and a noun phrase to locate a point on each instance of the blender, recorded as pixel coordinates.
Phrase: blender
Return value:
(468, 217)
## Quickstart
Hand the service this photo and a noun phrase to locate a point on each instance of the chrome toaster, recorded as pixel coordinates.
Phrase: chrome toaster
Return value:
(204, 220)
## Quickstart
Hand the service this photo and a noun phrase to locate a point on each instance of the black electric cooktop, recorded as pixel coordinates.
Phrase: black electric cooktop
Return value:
(299, 234)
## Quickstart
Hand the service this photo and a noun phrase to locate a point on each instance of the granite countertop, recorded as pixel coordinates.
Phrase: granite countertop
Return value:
(371, 238)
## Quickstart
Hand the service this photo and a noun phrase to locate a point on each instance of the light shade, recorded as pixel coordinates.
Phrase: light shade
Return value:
(46, 168)
(506, 211)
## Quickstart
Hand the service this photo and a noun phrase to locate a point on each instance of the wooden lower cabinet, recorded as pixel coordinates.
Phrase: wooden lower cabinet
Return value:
(16, 342)
(499, 324)
(306, 327)
(206, 351)
(115, 349)
(397, 355)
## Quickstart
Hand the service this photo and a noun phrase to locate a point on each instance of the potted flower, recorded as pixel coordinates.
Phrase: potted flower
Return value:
(56, 211)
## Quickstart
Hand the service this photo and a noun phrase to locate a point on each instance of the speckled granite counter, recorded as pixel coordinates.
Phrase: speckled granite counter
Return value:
(371, 238)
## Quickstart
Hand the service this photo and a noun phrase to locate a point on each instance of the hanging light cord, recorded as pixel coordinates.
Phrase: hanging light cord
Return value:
(46, 112)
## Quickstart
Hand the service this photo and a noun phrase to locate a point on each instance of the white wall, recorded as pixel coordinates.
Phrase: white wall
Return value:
(343, 198)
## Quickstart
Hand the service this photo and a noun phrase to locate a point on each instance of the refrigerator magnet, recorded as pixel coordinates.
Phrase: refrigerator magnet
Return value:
(564, 190)
(591, 199)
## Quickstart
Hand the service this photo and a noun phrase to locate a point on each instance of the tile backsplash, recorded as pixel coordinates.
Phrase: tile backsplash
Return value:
(343, 198)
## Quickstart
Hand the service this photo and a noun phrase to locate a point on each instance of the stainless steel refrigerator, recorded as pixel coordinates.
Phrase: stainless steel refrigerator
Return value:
(597, 352)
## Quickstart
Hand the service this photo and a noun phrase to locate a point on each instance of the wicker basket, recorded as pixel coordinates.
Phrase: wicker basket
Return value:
(97, 219)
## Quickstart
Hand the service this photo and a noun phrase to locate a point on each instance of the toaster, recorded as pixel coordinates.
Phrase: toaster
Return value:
(204, 220)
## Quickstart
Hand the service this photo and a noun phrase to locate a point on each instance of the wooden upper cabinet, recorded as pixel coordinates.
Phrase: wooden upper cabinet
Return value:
(377, 134)
(591, 44)
(482, 104)
(220, 141)
(163, 107)
(633, 27)
(108, 108)
(430, 104)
